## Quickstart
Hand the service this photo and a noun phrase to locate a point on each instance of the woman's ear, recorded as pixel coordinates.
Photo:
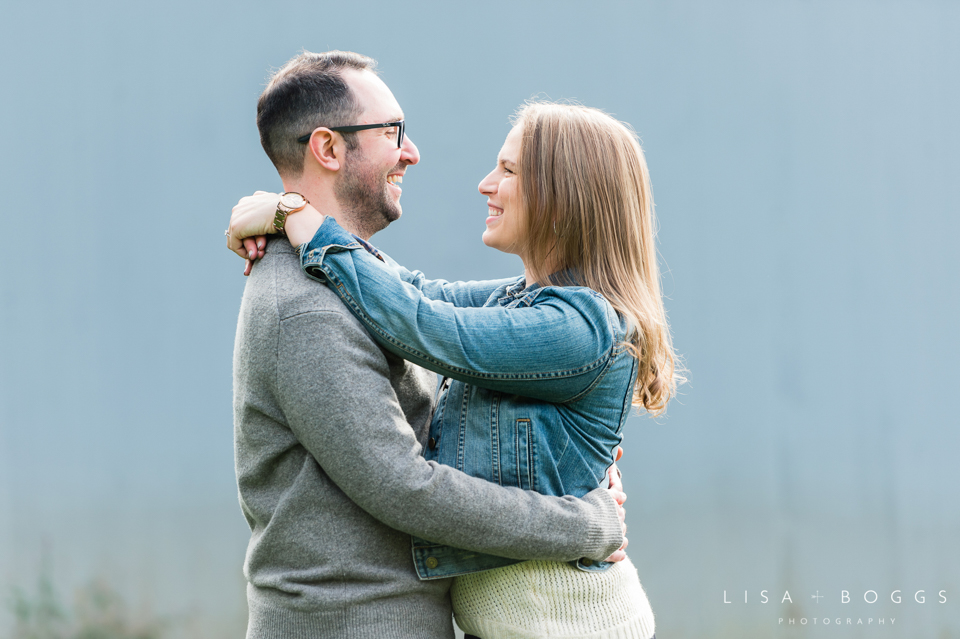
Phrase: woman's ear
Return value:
(326, 148)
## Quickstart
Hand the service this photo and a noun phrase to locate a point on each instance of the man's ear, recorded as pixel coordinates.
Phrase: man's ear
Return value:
(327, 149)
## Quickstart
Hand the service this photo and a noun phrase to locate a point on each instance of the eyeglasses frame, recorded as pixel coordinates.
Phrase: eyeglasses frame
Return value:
(353, 128)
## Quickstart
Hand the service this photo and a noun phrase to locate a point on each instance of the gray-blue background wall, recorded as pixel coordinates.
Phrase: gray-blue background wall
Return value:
(804, 159)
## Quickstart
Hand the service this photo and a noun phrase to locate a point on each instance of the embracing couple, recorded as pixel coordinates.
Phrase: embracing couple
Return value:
(409, 447)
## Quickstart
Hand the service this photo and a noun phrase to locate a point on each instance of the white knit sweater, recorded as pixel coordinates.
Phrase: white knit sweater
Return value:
(553, 599)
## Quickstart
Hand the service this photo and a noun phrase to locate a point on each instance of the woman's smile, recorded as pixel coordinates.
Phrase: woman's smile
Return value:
(501, 186)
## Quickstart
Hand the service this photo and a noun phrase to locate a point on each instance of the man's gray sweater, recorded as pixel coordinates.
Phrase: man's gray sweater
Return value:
(328, 433)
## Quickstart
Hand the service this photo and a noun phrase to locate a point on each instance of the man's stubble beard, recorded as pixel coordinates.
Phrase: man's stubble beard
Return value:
(364, 196)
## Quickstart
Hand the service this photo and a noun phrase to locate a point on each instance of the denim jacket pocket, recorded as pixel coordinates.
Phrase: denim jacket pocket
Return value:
(518, 454)
(525, 454)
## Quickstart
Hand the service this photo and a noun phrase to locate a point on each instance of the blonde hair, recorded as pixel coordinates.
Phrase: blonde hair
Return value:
(589, 208)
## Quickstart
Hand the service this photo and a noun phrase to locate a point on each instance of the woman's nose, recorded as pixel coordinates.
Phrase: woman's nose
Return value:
(488, 185)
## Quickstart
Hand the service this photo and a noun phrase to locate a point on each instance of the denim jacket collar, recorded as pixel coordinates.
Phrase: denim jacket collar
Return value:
(519, 293)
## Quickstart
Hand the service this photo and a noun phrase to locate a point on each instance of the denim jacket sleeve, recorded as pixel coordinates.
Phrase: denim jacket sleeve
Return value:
(553, 350)
(474, 293)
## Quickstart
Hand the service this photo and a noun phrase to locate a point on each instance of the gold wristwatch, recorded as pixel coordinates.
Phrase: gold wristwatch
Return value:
(290, 202)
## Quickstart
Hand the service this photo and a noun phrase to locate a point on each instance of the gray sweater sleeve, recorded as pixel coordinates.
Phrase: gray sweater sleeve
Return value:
(334, 388)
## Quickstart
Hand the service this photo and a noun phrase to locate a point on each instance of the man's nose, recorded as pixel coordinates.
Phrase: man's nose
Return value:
(409, 154)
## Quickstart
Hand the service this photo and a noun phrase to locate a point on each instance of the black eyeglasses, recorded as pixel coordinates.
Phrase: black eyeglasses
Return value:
(303, 139)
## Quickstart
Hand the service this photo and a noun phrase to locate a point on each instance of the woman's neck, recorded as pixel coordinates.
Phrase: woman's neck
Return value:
(544, 272)
(528, 276)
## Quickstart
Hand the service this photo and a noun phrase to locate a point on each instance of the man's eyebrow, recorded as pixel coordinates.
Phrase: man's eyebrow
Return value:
(394, 119)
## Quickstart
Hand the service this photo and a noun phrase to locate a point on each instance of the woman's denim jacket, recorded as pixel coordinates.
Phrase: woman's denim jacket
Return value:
(536, 387)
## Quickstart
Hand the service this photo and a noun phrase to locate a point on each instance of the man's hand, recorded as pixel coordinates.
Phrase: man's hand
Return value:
(615, 486)
(250, 222)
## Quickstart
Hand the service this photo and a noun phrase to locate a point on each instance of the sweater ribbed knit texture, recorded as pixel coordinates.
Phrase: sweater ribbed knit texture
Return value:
(328, 433)
(552, 599)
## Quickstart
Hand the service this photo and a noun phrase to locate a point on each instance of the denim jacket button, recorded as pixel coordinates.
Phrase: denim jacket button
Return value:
(432, 562)
(584, 561)
(432, 443)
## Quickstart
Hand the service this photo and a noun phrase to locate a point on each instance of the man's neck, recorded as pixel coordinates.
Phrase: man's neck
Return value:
(321, 196)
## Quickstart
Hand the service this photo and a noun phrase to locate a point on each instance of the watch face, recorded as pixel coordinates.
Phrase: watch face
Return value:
(292, 200)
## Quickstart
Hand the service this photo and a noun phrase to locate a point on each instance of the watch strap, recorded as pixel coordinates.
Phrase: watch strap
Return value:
(280, 218)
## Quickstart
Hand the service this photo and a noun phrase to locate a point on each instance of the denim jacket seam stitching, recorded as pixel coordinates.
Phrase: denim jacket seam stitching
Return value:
(438, 417)
(462, 429)
(516, 453)
(534, 468)
(326, 247)
(495, 439)
(608, 364)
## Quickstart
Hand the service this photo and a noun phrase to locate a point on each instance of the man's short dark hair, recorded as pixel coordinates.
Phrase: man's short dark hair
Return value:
(307, 92)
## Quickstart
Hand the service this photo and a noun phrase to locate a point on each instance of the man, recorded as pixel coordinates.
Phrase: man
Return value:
(329, 427)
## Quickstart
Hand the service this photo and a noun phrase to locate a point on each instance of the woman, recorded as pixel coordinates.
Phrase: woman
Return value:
(539, 371)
